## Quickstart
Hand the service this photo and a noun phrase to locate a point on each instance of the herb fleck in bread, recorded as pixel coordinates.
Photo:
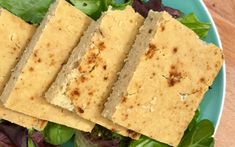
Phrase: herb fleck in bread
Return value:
(50, 47)
(86, 80)
(168, 71)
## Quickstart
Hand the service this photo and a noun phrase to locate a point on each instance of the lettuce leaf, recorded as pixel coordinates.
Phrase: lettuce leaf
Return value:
(192, 22)
(144, 6)
(57, 134)
(31, 11)
(100, 137)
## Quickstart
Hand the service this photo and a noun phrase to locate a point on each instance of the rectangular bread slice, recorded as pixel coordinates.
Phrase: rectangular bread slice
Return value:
(49, 48)
(86, 80)
(167, 72)
(14, 36)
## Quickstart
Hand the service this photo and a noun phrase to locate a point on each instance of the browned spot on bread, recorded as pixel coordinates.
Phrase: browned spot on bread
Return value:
(81, 70)
(222, 56)
(80, 110)
(41, 122)
(59, 29)
(202, 80)
(150, 53)
(31, 98)
(175, 49)
(14, 48)
(39, 60)
(101, 33)
(113, 130)
(162, 28)
(90, 93)
(215, 52)
(75, 92)
(35, 54)
(101, 46)
(131, 21)
(208, 67)
(150, 31)
(91, 58)
(123, 99)
(124, 116)
(48, 44)
(83, 79)
(172, 67)
(31, 69)
(105, 67)
(105, 78)
(174, 77)
(52, 62)
(132, 133)
(153, 74)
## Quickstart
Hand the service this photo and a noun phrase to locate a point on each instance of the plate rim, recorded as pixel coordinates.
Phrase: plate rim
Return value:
(224, 65)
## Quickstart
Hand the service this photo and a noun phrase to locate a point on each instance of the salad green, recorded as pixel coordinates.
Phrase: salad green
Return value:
(31, 11)
(57, 134)
(30, 141)
(191, 21)
(198, 134)
(94, 8)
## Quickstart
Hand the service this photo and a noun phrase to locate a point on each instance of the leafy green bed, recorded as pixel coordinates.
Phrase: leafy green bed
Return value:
(198, 134)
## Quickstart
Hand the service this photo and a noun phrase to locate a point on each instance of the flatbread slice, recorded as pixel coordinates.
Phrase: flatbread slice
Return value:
(14, 35)
(86, 80)
(168, 71)
(50, 47)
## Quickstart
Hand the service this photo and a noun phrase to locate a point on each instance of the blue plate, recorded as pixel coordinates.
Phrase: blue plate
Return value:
(212, 104)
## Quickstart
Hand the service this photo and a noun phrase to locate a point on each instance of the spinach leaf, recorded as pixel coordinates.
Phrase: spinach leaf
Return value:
(100, 137)
(199, 136)
(192, 22)
(90, 7)
(30, 142)
(146, 142)
(194, 121)
(94, 8)
(57, 134)
(31, 11)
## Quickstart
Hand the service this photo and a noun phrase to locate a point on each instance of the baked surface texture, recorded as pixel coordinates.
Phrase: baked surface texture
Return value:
(167, 73)
(86, 80)
(49, 48)
(14, 36)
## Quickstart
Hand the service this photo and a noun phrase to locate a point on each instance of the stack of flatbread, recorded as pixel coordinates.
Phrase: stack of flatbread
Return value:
(130, 75)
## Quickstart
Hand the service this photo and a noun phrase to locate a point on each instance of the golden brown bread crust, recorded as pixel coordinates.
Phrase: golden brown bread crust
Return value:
(50, 47)
(14, 36)
(87, 79)
(168, 71)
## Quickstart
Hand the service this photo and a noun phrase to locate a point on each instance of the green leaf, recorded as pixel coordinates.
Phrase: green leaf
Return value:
(194, 120)
(31, 11)
(121, 5)
(146, 142)
(57, 134)
(89, 7)
(199, 136)
(30, 142)
(81, 141)
(191, 21)
(94, 8)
